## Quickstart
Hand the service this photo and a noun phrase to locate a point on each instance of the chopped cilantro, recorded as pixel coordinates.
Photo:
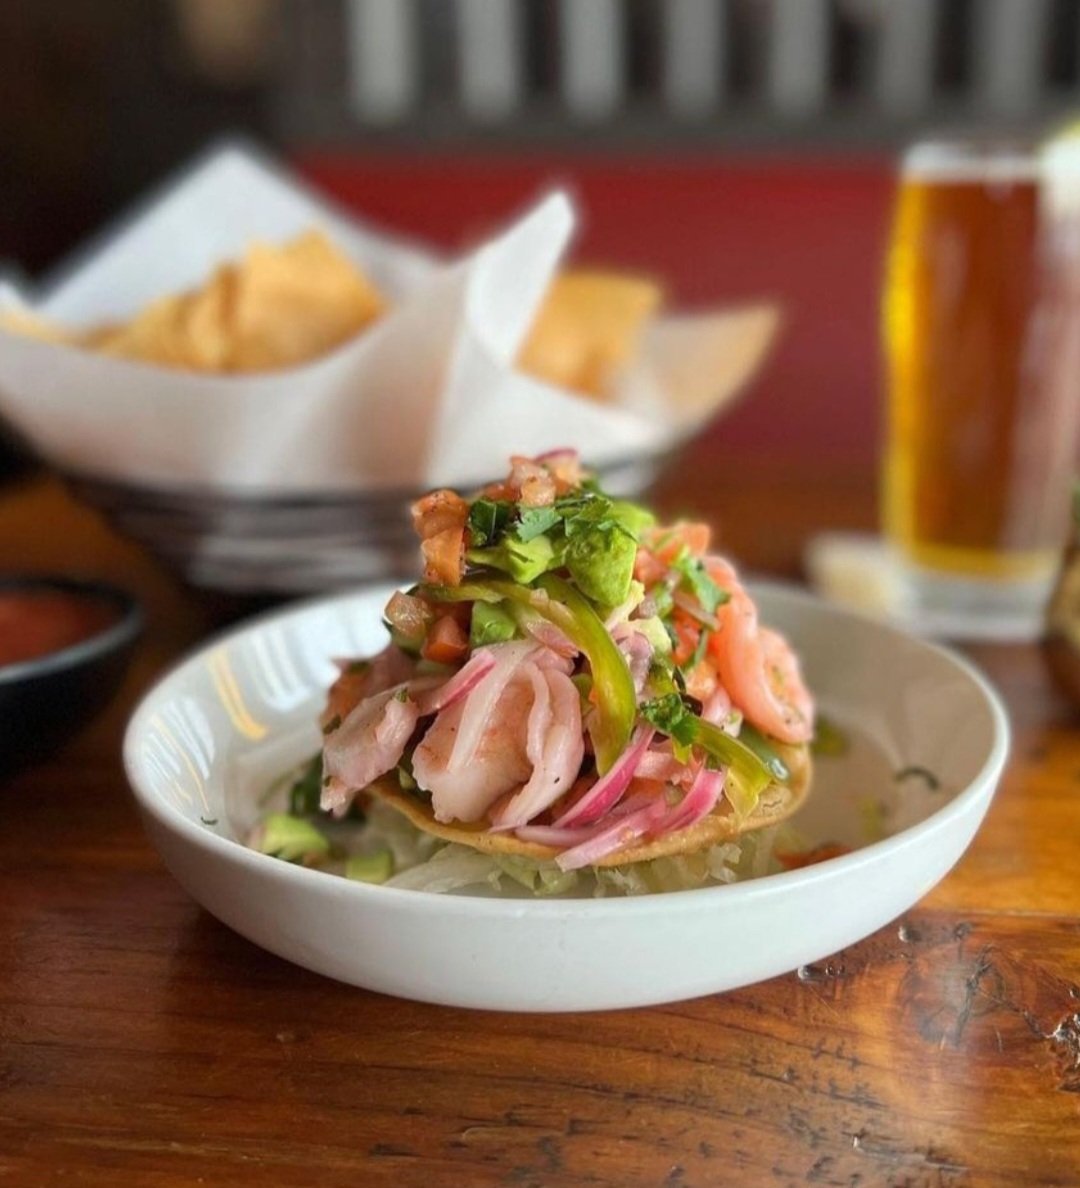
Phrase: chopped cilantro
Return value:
(209, 820)
(332, 725)
(487, 519)
(535, 521)
(698, 583)
(671, 716)
(304, 793)
(402, 695)
(593, 536)
(748, 770)
(357, 667)
(699, 651)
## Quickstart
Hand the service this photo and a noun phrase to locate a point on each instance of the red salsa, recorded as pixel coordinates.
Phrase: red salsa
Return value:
(34, 623)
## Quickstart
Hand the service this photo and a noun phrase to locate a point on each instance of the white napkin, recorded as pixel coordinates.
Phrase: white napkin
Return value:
(428, 395)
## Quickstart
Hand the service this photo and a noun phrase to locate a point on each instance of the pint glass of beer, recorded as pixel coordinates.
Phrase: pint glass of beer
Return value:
(983, 379)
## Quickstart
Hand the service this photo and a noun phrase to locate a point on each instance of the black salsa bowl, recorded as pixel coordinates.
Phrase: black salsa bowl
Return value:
(47, 699)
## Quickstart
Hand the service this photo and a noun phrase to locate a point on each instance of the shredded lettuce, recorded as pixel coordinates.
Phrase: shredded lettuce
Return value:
(449, 869)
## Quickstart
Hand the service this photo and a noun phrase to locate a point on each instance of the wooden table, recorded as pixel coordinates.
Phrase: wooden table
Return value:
(143, 1043)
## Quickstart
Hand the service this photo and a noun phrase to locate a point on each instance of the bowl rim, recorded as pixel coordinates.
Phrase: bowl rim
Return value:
(980, 788)
(113, 637)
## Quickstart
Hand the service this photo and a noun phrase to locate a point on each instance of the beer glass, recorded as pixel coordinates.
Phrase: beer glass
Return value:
(980, 332)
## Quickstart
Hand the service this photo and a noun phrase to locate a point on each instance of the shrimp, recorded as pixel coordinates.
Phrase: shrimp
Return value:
(757, 666)
(367, 744)
(360, 679)
(555, 747)
(498, 763)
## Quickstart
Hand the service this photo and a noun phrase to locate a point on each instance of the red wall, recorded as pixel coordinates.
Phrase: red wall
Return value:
(809, 232)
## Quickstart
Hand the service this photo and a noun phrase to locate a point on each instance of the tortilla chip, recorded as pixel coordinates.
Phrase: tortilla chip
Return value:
(21, 321)
(776, 803)
(588, 328)
(296, 302)
(278, 307)
(156, 335)
(206, 321)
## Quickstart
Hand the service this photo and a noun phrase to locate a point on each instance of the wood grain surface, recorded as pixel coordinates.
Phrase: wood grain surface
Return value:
(143, 1043)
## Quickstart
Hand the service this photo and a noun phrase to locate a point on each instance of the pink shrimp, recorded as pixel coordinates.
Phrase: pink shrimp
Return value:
(360, 679)
(496, 763)
(366, 745)
(757, 666)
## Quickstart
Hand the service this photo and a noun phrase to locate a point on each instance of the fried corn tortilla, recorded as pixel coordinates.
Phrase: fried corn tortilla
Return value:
(279, 306)
(286, 304)
(777, 803)
(588, 328)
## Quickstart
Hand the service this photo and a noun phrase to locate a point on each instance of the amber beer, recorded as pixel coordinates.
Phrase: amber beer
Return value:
(979, 422)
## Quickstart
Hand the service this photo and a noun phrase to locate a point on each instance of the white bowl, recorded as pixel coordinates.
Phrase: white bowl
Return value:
(247, 703)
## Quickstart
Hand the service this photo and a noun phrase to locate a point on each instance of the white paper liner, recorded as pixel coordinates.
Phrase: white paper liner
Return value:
(428, 395)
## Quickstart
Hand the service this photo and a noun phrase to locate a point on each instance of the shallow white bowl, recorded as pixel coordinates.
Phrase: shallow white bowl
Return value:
(205, 740)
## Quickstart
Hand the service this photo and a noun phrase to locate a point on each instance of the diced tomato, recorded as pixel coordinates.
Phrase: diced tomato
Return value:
(439, 519)
(444, 556)
(685, 534)
(643, 787)
(460, 612)
(535, 484)
(446, 642)
(648, 568)
(437, 511)
(687, 632)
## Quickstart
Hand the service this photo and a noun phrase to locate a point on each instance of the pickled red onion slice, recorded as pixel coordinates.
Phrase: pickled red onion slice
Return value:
(610, 786)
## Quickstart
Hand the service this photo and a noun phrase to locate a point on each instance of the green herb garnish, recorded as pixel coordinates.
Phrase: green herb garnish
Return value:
(699, 651)
(747, 772)
(305, 789)
(590, 535)
(697, 582)
(487, 519)
(534, 521)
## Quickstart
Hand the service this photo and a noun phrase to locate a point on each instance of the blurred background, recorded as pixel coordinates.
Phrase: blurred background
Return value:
(735, 149)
